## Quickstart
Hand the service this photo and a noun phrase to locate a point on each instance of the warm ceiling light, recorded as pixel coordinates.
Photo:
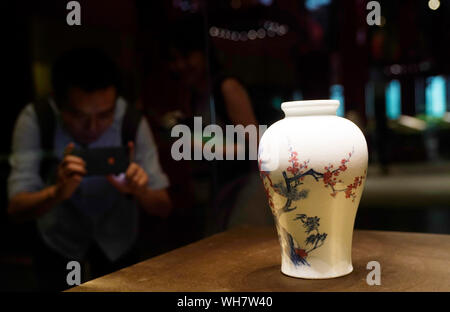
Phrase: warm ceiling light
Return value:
(434, 4)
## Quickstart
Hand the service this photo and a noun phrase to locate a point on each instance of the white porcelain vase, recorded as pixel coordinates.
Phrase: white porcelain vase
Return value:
(313, 165)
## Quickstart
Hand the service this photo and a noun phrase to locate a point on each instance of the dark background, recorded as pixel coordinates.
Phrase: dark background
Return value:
(321, 44)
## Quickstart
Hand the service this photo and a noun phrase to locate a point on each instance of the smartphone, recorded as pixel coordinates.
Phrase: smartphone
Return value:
(104, 161)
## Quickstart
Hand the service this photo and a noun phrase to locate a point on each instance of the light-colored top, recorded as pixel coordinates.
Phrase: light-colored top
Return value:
(96, 212)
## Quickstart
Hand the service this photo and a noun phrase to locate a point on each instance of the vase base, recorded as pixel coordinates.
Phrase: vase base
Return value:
(311, 274)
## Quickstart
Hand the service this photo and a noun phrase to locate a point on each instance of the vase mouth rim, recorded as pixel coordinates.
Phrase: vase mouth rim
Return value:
(310, 107)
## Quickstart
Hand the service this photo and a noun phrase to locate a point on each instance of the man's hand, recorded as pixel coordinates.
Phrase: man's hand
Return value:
(135, 181)
(70, 173)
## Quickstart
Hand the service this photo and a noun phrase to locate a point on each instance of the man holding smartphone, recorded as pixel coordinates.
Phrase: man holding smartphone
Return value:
(78, 216)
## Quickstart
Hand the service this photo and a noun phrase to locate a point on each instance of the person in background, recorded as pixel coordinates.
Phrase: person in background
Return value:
(188, 63)
(90, 219)
(236, 179)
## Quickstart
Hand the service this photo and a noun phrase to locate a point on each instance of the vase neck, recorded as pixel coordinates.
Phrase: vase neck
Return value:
(310, 108)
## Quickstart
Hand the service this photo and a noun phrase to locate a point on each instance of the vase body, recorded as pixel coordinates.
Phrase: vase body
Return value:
(313, 165)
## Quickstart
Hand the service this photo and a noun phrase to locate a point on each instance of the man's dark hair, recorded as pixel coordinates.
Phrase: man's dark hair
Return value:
(86, 68)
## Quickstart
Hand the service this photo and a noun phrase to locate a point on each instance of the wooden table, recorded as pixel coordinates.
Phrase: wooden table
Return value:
(248, 259)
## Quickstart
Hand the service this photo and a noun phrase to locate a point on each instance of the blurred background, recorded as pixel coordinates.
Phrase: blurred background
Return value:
(392, 80)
